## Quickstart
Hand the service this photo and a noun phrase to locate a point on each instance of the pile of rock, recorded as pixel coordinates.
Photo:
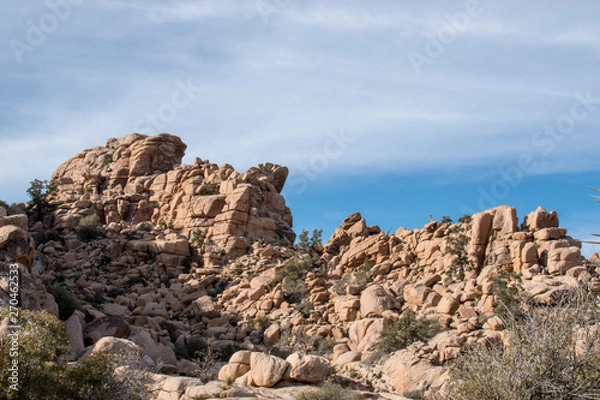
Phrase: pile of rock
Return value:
(139, 179)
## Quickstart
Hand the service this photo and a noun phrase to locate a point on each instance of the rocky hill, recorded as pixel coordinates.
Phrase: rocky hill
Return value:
(201, 257)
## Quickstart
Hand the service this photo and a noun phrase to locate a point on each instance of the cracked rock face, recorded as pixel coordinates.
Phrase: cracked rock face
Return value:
(139, 179)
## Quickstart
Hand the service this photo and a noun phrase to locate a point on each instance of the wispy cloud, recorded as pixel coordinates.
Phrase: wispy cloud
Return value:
(273, 91)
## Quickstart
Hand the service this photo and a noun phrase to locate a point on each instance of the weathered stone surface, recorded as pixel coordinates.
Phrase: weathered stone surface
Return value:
(267, 370)
(562, 259)
(117, 346)
(107, 326)
(307, 369)
(139, 178)
(374, 300)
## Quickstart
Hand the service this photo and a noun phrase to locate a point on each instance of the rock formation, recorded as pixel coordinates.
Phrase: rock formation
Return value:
(200, 257)
(139, 179)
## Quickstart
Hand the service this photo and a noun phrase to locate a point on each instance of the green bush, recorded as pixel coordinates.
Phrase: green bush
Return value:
(407, 330)
(88, 228)
(67, 302)
(457, 247)
(292, 274)
(39, 192)
(329, 391)
(551, 353)
(43, 375)
(95, 378)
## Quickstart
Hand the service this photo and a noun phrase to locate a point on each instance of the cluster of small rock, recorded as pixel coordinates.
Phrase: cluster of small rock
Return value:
(134, 286)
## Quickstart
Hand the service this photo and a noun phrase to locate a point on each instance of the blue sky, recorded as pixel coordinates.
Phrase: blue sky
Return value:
(396, 109)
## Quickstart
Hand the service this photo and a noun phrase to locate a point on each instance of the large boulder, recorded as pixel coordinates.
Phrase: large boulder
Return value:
(307, 369)
(374, 300)
(267, 370)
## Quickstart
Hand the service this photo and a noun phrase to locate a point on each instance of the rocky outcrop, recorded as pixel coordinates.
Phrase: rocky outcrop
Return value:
(20, 285)
(139, 179)
(197, 260)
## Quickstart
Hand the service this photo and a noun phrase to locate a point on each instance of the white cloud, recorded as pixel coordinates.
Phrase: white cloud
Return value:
(273, 88)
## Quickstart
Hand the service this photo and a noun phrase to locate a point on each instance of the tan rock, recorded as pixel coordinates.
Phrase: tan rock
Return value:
(560, 260)
(205, 307)
(307, 369)
(374, 301)
(241, 357)
(266, 370)
(233, 370)
(117, 346)
(448, 305)
(416, 294)
(482, 224)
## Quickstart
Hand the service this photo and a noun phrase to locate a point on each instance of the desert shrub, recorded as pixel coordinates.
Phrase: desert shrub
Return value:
(329, 391)
(198, 237)
(551, 353)
(309, 245)
(457, 247)
(260, 323)
(43, 375)
(67, 302)
(95, 378)
(292, 274)
(510, 300)
(446, 220)
(88, 228)
(407, 330)
(465, 219)
(189, 263)
(39, 192)
(295, 291)
(42, 339)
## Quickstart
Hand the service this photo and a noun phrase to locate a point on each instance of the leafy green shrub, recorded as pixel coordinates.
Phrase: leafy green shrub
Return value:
(292, 274)
(407, 330)
(329, 391)
(446, 220)
(309, 245)
(95, 378)
(551, 353)
(457, 247)
(465, 219)
(260, 323)
(39, 192)
(88, 228)
(189, 263)
(42, 340)
(510, 300)
(67, 302)
(198, 237)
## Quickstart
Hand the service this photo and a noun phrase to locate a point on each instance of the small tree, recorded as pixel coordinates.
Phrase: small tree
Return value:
(309, 245)
(404, 332)
(457, 247)
(39, 192)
